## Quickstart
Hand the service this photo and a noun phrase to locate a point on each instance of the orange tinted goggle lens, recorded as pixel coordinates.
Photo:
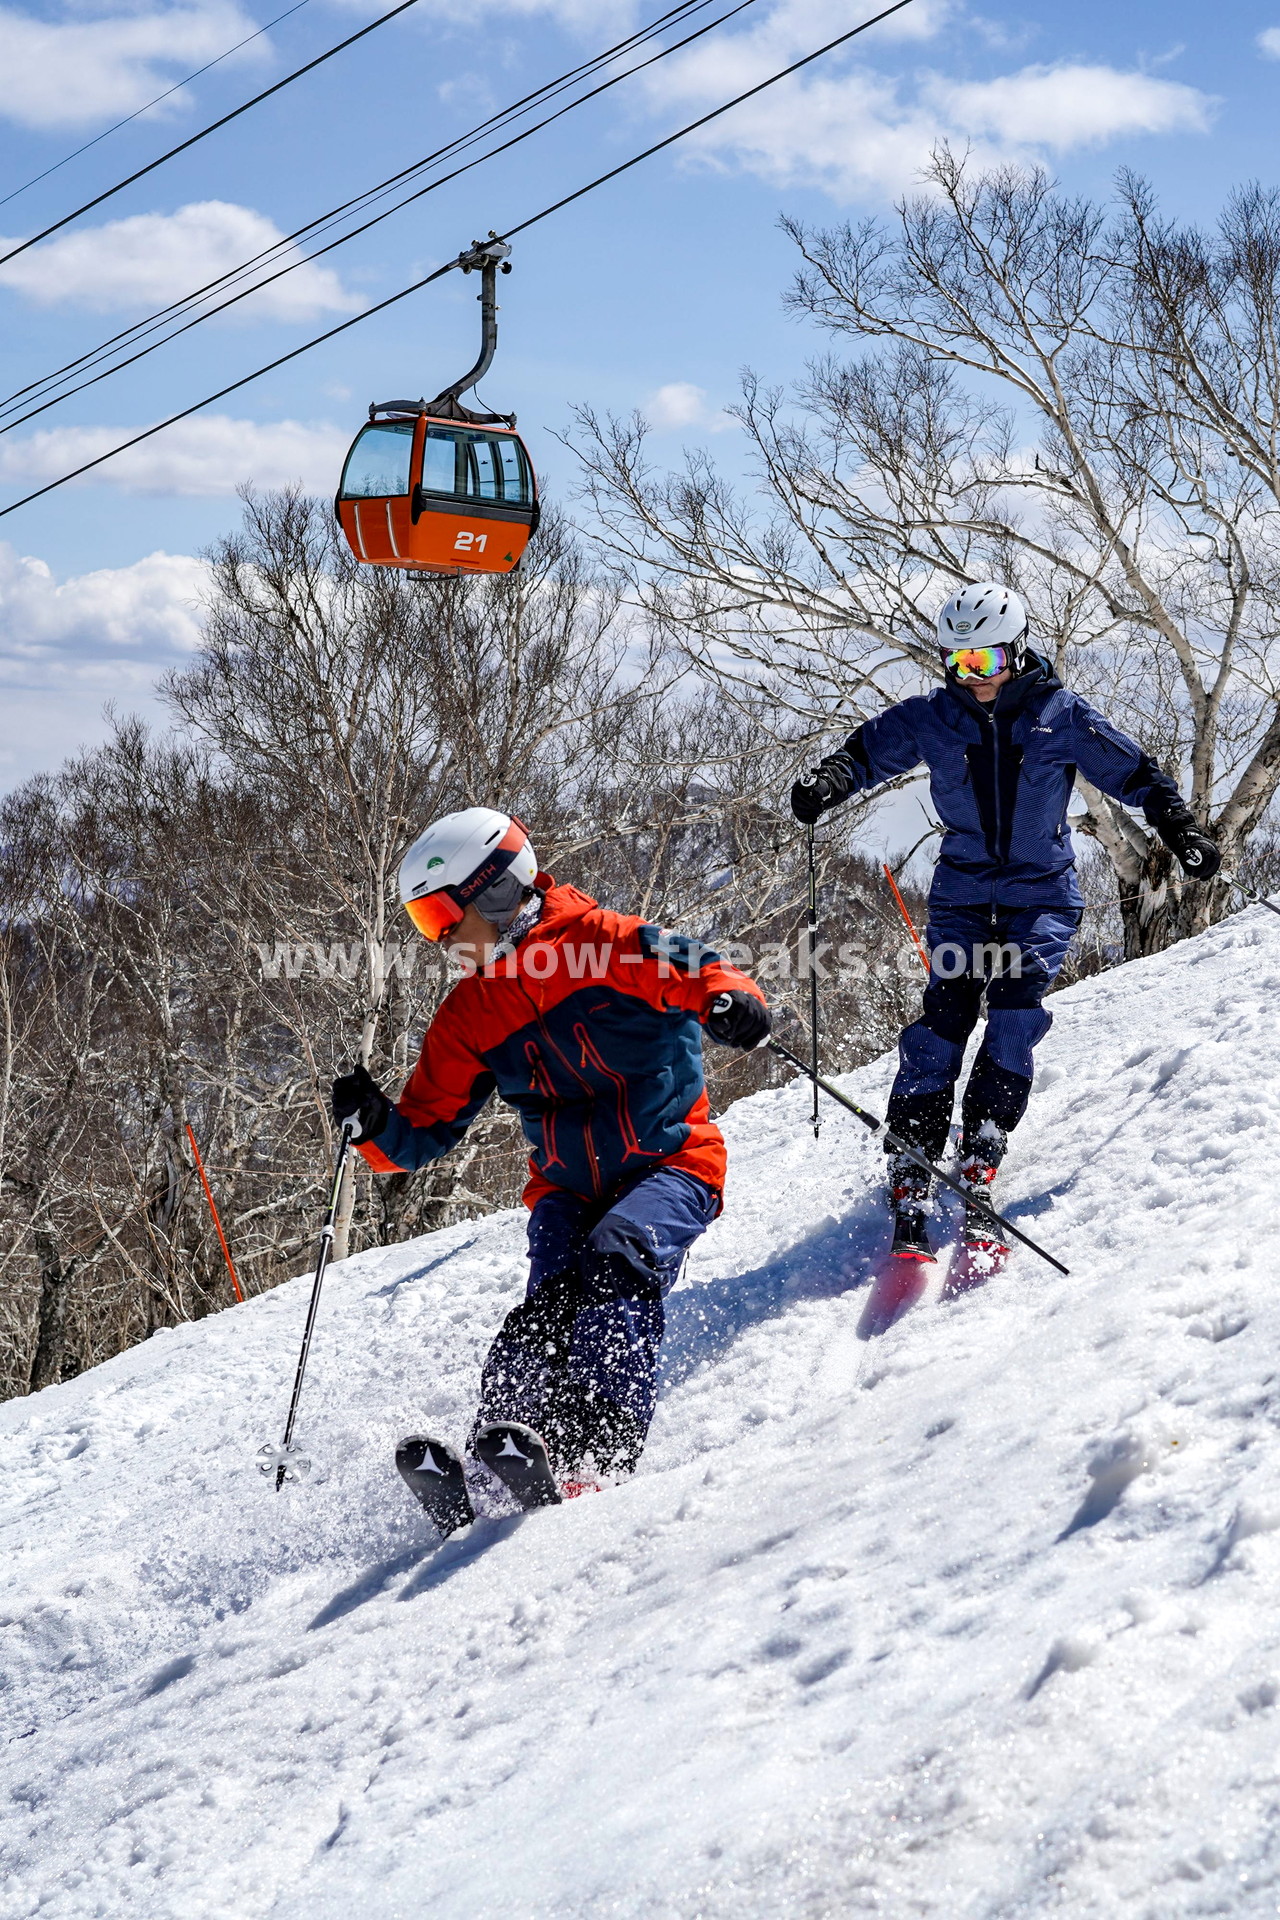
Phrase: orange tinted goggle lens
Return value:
(434, 914)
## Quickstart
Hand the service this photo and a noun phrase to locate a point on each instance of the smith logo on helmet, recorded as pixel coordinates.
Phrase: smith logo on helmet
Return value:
(479, 880)
(964, 626)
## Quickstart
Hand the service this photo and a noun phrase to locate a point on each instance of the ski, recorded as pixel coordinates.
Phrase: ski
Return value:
(900, 1281)
(977, 1259)
(983, 1249)
(433, 1473)
(517, 1456)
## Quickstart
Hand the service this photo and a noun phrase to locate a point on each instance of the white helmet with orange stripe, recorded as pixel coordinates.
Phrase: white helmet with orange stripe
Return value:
(477, 856)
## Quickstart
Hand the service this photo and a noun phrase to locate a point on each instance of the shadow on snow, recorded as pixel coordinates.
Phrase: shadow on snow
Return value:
(703, 1320)
(428, 1563)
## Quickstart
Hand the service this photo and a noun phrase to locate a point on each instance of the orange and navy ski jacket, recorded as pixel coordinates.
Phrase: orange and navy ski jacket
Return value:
(591, 1031)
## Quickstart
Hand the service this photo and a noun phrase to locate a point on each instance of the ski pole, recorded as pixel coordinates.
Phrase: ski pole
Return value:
(913, 1154)
(813, 974)
(902, 909)
(1249, 894)
(208, 1194)
(279, 1456)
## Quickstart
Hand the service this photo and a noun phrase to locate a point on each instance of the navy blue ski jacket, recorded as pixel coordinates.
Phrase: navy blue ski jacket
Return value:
(1001, 778)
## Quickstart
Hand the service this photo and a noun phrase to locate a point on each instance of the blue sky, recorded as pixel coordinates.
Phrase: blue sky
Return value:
(652, 293)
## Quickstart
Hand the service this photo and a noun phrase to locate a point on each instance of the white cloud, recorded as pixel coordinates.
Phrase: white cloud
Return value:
(849, 136)
(75, 72)
(1072, 106)
(1269, 42)
(862, 130)
(605, 17)
(854, 129)
(681, 404)
(207, 455)
(153, 258)
(153, 605)
(794, 27)
(67, 647)
(810, 21)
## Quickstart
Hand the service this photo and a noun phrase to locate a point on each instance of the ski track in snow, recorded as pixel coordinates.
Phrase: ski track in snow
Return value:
(974, 1619)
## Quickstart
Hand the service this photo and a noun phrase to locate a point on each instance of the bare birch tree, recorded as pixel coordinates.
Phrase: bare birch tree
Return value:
(1069, 397)
(199, 927)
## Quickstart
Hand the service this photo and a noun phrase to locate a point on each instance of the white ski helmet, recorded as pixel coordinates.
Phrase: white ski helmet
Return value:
(477, 855)
(985, 615)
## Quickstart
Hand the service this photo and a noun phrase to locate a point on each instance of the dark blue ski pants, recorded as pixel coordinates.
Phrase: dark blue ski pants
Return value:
(577, 1360)
(971, 952)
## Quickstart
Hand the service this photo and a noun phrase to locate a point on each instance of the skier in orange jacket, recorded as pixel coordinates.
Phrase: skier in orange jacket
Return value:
(589, 1023)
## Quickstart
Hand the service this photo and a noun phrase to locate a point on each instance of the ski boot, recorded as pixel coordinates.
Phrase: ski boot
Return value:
(901, 1276)
(909, 1187)
(517, 1456)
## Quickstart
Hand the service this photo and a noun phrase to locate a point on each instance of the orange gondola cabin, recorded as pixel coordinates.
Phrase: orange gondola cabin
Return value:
(433, 487)
(441, 496)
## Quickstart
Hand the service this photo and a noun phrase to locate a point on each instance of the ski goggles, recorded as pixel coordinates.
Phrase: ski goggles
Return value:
(977, 663)
(434, 913)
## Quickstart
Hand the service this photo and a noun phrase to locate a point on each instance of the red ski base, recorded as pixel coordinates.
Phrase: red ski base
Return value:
(900, 1281)
(973, 1263)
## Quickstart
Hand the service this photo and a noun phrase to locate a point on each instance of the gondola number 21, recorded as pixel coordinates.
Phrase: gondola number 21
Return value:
(470, 543)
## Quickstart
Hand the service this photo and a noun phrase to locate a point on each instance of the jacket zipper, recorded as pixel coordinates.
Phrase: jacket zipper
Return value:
(597, 1185)
(544, 1084)
(626, 1127)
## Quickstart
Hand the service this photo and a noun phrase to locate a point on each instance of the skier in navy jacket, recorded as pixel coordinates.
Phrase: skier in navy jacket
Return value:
(1003, 740)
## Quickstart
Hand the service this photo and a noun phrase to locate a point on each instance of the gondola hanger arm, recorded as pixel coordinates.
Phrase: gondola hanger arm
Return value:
(484, 257)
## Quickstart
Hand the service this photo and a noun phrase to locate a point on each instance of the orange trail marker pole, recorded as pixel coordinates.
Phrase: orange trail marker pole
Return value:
(208, 1194)
(902, 909)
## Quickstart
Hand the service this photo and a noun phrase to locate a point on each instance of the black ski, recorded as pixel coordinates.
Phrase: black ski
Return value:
(432, 1471)
(517, 1456)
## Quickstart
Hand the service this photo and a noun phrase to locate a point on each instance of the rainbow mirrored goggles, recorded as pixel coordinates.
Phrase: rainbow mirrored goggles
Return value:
(977, 663)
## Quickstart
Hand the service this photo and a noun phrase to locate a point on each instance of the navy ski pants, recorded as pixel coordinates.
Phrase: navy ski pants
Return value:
(577, 1360)
(971, 951)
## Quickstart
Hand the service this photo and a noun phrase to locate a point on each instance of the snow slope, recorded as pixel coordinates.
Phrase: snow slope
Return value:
(974, 1619)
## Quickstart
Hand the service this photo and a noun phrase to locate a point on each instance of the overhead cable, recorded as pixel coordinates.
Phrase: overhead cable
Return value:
(177, 87)
(523, 226)
(42, 388)
(204, 133)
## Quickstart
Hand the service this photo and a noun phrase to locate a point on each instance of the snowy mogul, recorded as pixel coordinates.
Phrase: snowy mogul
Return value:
(589, 1023)
(1002, 739)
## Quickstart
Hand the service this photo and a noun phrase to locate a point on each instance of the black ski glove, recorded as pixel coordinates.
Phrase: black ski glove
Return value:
(357, 1096)
(814, 793)
(1200, 857)
(738, 1019)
